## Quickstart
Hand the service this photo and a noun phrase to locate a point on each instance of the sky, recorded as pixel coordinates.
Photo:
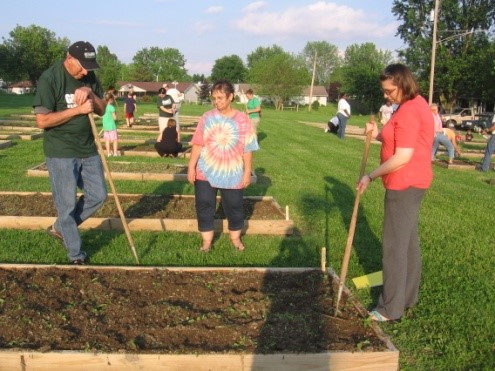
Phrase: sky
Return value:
(203, 30)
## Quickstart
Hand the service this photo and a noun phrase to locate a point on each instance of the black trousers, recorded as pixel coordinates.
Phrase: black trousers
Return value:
(232, 203)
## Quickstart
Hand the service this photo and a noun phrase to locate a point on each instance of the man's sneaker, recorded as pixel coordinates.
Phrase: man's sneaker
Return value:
(54, 233)
(78, 262)
(479, 168)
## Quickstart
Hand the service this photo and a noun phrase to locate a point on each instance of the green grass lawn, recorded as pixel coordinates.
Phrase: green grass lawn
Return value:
(453, 325)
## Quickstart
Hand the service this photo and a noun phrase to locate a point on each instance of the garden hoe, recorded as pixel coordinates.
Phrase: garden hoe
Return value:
(112, 186)
(352, 227)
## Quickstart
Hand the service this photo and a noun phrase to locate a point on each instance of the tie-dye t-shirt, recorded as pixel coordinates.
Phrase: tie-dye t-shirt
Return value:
(224, 141)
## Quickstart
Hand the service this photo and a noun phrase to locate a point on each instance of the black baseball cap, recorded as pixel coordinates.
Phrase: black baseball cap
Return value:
(162, 91)
(85, 53)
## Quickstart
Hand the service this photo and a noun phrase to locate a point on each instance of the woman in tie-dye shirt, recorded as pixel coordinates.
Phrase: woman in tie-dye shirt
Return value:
(221, 159)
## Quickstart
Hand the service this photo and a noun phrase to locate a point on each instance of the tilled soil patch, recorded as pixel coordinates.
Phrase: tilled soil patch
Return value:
(164, 311)
(146, 206)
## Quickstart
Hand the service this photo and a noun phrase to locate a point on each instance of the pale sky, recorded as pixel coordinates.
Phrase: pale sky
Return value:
(204, 31)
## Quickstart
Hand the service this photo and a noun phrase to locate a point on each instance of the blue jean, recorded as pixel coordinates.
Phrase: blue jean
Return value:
(490, 148)
(232, 203)
(66, 175)
(342, 124)
(442, 139)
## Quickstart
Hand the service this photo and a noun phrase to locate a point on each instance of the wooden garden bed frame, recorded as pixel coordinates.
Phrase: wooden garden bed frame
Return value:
(5, 143)
(279, 227)
(37, 172)
(21, 136)
(387, 360)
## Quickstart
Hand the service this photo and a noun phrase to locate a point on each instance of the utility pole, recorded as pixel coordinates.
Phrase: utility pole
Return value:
(433, 50)
(312, 83)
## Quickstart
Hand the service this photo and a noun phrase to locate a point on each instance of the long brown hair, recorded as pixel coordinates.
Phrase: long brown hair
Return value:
(403, 78)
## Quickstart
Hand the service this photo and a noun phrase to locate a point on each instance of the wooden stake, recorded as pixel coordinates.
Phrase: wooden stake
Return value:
(286, 212)
(323, 259)
(112, 186)
(352, 227)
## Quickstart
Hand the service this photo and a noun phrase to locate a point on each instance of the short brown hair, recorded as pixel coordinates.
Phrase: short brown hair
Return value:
(403, 78)
(171, 123)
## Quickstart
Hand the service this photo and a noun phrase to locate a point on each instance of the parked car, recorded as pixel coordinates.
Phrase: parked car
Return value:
(480, 122)
(456, 119)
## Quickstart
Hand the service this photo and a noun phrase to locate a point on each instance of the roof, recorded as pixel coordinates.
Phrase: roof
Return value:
(318, 90)
(151, 86)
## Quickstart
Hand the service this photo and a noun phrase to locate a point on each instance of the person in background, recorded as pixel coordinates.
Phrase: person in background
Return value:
(453, 138)
(221, 160)
(406, 173)
(178, 97)
(440, 137)
(130, 107)
(109, 126)
(332, 125)
(166, 110)
(66, 93)
(490, 148)
(170, 144)
(343, 113)
(253, 108)
(469, 135)
(385, 112)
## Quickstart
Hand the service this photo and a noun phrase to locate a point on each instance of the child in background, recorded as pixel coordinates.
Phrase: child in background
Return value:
(469, 135)
(109, 126)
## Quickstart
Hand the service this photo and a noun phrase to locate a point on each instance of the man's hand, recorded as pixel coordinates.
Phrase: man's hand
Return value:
(86, 107)
(81, 95)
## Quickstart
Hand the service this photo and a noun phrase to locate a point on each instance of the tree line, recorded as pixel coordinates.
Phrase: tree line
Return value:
(465, 64)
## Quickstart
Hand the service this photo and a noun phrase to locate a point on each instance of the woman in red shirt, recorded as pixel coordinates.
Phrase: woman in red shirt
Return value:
(406, 173)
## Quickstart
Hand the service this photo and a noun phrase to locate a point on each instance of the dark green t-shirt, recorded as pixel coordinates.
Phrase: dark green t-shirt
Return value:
(166, 102)
(55, 93)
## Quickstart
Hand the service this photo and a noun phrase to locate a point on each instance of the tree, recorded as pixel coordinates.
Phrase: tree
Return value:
(230, 68)
(462, 70)
(262, 53)
(198, 78)
(30, 51)
(110, 67)
(204, 91)
(360, 72)
(280, 76)
(327, 59)
(155, 64)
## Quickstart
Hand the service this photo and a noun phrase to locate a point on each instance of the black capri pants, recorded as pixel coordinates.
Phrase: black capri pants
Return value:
(232, 203)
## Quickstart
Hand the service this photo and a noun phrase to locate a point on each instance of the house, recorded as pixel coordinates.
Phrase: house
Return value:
(21, 87)
(142, 88)
(319, 94)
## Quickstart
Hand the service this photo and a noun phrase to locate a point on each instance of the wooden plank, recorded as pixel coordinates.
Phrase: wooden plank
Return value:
(5, 143)
(72, 361)
(35, 172)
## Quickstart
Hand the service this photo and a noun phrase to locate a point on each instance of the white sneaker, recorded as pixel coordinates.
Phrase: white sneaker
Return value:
(116, 154)
(109, 155)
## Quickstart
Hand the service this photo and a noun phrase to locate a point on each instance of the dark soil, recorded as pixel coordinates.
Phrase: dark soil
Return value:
(163, 311)
(145, 206)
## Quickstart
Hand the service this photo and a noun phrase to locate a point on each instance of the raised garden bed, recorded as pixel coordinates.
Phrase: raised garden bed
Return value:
(147, 149)
(186, 318)
(21, 136)
(458, 164)
(30, 210)
(136, 171)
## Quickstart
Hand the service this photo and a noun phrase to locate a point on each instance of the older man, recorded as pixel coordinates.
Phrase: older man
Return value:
(66, 93)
